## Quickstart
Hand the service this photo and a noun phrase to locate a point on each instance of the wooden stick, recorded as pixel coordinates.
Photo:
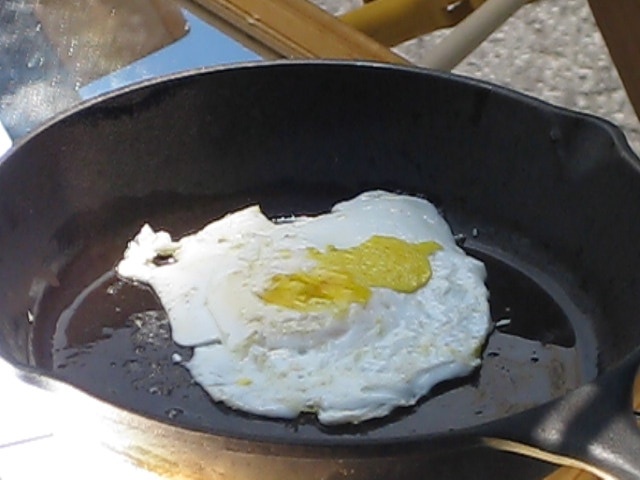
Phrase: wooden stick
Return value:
(298, 29)
(619, 22)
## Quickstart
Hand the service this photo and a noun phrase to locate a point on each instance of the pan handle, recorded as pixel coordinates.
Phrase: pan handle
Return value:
(593, 427)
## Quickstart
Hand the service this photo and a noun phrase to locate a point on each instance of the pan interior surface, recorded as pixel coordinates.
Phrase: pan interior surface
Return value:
(100, 326)
(530, 187)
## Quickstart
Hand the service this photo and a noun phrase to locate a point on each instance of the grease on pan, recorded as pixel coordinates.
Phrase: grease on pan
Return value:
(284, 319)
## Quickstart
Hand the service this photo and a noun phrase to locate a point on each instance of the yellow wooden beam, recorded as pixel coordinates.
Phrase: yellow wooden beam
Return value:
(391, 22)
(298, 29)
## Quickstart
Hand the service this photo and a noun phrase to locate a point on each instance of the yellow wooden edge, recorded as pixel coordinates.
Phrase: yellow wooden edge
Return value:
(392, 22)
(298, 29)
(574, 469)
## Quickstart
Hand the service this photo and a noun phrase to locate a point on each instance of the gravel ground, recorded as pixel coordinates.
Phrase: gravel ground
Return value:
(550, 49)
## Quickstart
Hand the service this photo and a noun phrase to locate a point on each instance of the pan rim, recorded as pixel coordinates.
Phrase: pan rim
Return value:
(620, 141)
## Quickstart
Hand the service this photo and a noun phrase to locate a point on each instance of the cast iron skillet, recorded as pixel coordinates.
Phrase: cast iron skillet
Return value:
(549, 199)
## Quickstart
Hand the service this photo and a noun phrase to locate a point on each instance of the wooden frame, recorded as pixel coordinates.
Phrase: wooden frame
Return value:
(293, 29)
(619, 22)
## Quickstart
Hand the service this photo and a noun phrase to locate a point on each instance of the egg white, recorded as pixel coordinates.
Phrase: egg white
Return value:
(278, 362)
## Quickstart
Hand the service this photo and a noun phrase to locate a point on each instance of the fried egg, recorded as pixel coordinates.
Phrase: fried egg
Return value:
(347, 315)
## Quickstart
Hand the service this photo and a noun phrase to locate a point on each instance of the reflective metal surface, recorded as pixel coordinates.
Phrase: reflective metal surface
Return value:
(56, 53)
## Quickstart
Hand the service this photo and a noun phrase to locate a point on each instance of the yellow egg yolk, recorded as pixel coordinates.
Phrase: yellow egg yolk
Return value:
(345, 276)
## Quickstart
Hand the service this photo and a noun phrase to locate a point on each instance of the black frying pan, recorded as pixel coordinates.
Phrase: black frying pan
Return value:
(549, 199)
